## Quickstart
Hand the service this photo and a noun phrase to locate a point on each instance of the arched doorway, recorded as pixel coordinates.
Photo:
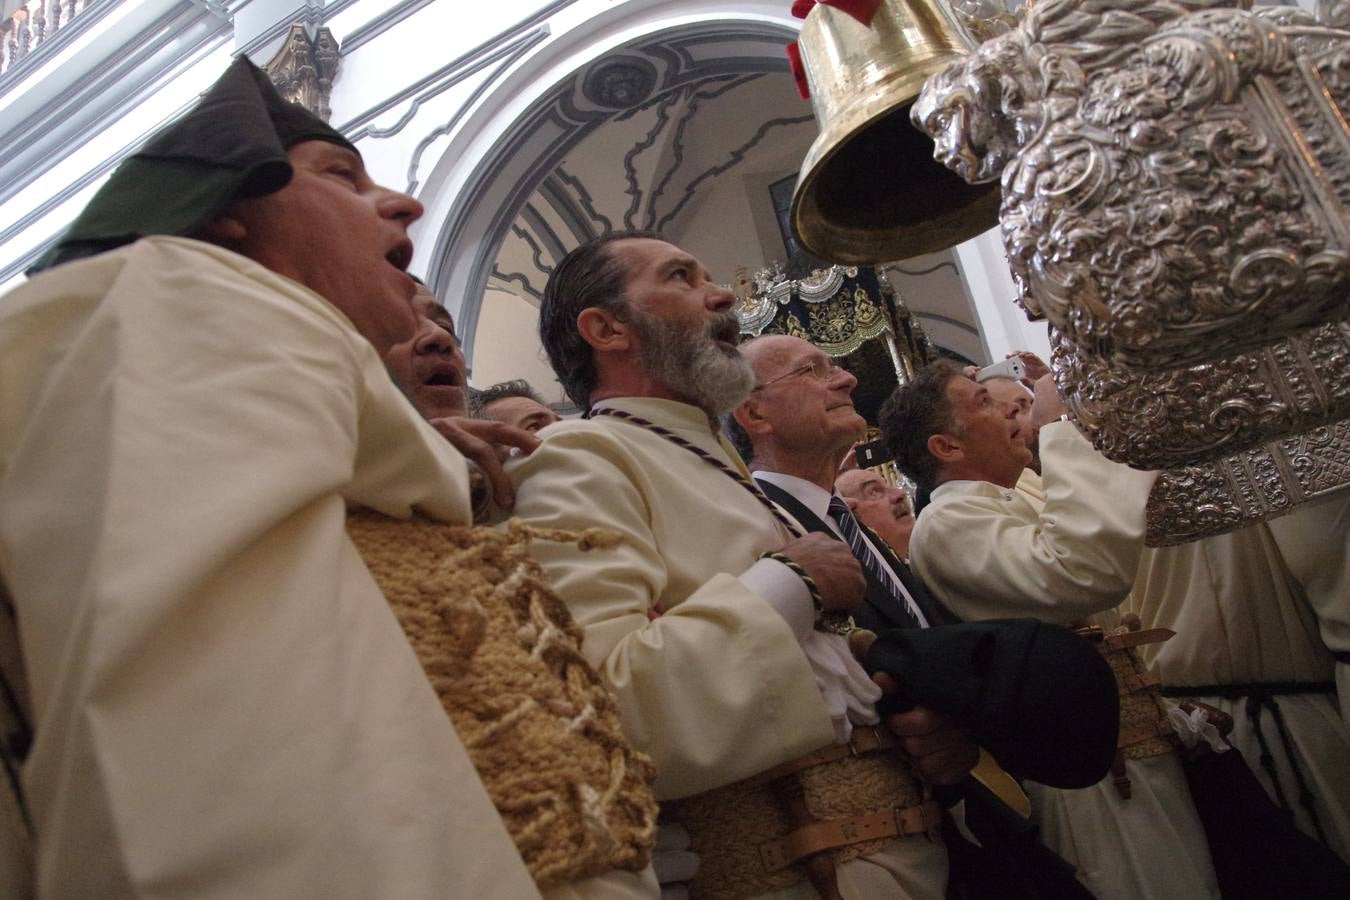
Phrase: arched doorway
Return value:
(566, 90)
(648, 119)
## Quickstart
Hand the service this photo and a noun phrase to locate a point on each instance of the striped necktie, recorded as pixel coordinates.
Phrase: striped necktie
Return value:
(862, 552)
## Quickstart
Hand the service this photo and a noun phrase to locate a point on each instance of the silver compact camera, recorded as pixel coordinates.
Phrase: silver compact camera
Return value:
(1012, 367)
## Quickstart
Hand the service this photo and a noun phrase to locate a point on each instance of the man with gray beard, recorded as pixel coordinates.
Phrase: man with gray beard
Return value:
(710, 621)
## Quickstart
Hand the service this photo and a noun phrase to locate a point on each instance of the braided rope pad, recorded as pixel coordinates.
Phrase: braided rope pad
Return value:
(728, 825)
(504, 656)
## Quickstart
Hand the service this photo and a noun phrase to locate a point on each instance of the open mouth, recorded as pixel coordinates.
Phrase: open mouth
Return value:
(443, 379)
(440, 373)
(401, 256)
(726, 332)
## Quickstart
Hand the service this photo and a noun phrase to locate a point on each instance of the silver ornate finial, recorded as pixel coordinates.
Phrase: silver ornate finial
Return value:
(985, 19)
(304, 67)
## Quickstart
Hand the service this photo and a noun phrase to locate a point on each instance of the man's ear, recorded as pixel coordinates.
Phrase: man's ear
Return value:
(603, 330)
(749, 417)
(944, 447)
(225, 229)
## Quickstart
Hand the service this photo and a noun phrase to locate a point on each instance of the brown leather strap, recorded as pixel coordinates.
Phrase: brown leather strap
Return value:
(1135, 638)
(1133, 684)
(864, 741)
(1120, 777)
(1143, 731)
(925, 818)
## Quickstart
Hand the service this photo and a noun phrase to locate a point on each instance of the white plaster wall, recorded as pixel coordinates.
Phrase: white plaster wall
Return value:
(509, 336)
(721, 232)
(389, 83)
(1003, 325)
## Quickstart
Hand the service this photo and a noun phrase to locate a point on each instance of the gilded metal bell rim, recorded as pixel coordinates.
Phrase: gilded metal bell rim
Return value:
(868, 246)
(857, 81)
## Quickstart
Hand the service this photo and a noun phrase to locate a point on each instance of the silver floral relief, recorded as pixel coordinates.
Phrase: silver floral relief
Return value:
(1154, 420)
(1176, 203)
(1169, 218)
(1196, 501)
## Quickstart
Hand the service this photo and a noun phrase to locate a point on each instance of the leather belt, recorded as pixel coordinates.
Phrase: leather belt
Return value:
(1120, 640)
(1143, 731)
(925, 818)
(1133, 684)
(864, 740)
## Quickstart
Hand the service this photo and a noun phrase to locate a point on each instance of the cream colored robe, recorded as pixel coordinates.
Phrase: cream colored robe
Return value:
(1315, 543)
(225, 705)
(1047, 536)
(987, 552)
(1152, 845)
(716, 689)
(1241, 616)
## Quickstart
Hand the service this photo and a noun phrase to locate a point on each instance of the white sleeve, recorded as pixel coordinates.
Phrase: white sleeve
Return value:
(990, 555)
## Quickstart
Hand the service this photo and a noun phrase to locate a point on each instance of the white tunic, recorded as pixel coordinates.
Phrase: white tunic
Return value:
(1242, 617)
(716, 688)
(225, 705)
(1314, 541)
(987, 552)
(987, 545)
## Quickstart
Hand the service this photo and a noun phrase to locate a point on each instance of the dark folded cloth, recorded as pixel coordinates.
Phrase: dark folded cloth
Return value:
(1009, 862)
(1257, 850)
(1038, 697)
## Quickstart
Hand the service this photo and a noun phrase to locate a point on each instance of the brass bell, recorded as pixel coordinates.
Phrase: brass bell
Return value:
(869, 189)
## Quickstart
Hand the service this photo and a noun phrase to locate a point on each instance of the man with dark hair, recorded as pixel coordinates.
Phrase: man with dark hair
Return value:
(223, 704)
(918, 410)
(1077, 557)
(515, 403)
(592, 275)
(989, 551)
(706, 620)
(1013, 392)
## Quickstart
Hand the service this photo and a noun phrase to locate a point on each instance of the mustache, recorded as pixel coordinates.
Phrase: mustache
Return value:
(723, 326)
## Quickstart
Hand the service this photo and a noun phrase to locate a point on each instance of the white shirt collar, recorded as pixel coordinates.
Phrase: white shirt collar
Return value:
(808, 493)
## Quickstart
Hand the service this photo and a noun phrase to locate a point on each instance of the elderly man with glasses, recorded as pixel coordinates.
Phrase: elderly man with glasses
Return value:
(798, 425)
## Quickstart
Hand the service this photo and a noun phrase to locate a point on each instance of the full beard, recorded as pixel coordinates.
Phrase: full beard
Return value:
(692, 364)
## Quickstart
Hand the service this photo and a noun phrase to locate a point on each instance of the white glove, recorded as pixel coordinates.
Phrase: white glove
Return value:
(1194, 728)
(672, 860)
(850, 696)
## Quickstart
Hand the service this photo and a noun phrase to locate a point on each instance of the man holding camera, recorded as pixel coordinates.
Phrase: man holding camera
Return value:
(1074, 558)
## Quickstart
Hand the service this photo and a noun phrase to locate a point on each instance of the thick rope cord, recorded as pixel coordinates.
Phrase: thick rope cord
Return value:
(505, 658)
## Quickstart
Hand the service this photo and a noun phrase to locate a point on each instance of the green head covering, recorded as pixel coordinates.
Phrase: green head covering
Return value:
(232, 144)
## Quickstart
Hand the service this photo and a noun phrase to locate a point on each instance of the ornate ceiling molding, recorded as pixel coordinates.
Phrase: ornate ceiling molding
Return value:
(737, 156)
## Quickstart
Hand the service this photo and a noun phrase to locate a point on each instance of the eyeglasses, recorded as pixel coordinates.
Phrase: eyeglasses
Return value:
(821, 369)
